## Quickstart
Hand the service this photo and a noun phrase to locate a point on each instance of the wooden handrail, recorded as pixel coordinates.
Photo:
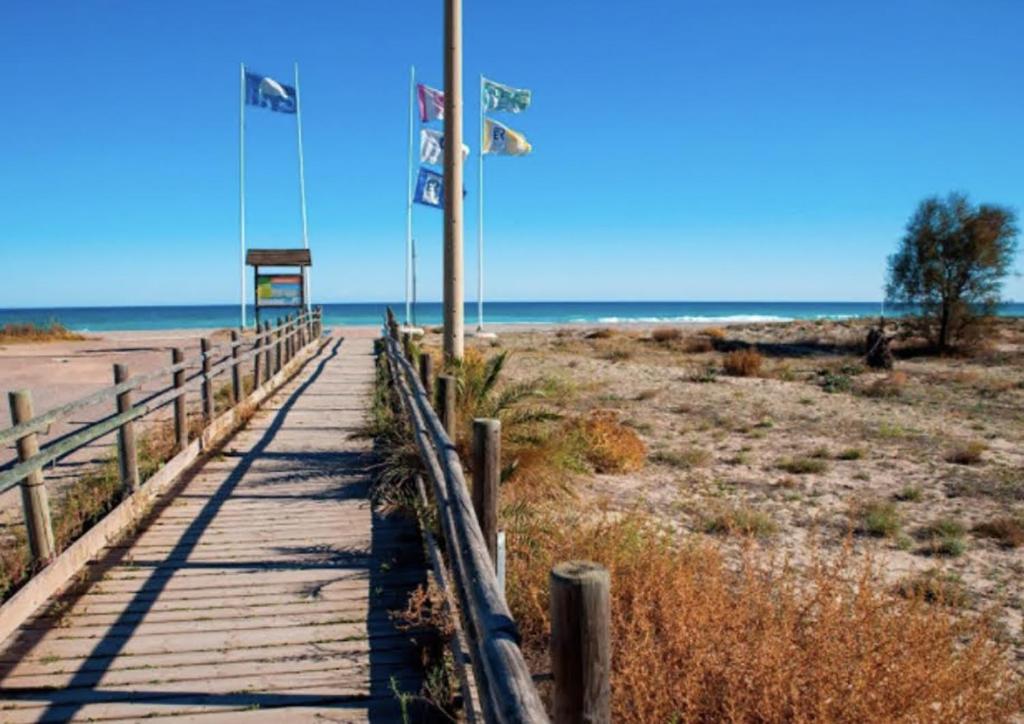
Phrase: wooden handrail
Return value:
(12, 473)
(39, 423)
(507, 692)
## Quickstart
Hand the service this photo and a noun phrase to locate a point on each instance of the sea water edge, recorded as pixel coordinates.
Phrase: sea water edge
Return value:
(131, 318)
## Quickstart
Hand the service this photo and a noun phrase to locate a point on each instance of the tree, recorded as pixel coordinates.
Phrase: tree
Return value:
(951, 264)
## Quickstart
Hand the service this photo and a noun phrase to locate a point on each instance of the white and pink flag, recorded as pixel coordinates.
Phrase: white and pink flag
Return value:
(431, 103)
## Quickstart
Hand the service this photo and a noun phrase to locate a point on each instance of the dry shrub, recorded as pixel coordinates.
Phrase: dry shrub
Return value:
(967, 454)
(743, 362)
(611, 446)
(697, 345)
(32, 332)
(1006, 530)
(697, 639)
(602, 333)
(891, 385)
(666, 335)
(716, 334)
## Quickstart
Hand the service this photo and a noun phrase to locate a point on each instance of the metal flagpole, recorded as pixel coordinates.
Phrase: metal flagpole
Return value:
(414, 282)
(241, 191)
(480, 221)
(302, 187)
(408, 203)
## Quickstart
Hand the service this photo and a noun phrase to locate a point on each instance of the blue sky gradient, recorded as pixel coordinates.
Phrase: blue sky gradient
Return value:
(682, 150)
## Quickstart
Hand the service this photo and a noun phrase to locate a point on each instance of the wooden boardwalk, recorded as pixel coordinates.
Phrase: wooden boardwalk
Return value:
(264, 581)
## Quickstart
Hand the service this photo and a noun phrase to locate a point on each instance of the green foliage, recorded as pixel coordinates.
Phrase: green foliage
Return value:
(802, 465)
(951, 265)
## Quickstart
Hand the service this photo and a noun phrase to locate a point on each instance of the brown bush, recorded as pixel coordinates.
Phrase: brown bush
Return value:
(601, 333)
(889, 386)
(967, 454)
(743, 362)
(696, 639)
(665, 335)
(1007, 530)
(715, 333)
(697, 345)
(611, 447)
(31, 332)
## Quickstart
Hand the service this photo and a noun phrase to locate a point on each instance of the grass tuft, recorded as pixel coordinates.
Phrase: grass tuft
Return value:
(53, 331)
(876, 518)
(1006, 530)
(802, 465)
(967, 454)
(743, 362)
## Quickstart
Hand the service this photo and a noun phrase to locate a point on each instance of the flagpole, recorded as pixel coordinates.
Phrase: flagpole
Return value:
(454, 313)
(241, 192)
(408, 203)
(302, 187)
(480, 221)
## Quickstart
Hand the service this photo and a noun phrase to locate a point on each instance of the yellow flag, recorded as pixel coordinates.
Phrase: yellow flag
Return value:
(501, 140)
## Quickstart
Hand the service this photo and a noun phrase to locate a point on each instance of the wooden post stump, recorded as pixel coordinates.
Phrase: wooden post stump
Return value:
(257, 358)
(127, 453)
(34, 500)
(427, 373)
(236, 374)
(407, 345)
(180, 410)
(580, 643)
(446, 403)
(277, 347)
(266, 352)
(207, 385)
(486, 479)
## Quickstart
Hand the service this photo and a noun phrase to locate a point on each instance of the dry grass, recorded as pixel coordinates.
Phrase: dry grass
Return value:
(743, 362)
(1006, 530)
(697, 639)
(666, 335)
(966, 454)
(13, 333)
(611, 446)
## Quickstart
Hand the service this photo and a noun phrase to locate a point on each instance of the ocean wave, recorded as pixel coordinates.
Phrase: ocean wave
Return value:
(690, 319)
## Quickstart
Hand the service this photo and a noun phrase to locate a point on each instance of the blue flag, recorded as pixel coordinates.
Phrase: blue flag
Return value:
(429, 188)
(263, 91)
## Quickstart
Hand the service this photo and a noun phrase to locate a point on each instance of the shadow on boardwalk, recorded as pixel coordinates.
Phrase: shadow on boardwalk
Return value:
(317, 483)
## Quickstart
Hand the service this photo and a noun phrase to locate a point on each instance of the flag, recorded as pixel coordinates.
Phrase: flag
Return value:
(501, 140)
(264, 92)
(431, 103)
(498, 97)
(432, 147)
(429, 188)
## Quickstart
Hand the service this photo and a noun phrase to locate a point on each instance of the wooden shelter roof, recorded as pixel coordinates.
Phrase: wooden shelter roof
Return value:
(278, 257)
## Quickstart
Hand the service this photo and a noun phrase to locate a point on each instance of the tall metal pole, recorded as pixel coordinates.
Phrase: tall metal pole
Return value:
(453, 227)
(408, 202)
(241, 193)
(302, 187)
(480, 220)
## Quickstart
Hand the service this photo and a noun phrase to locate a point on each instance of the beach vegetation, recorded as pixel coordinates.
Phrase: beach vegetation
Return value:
(969, 453)
(740, 520)
(666, 335)
(909, 494)
(943, 537)
(802, 465)
(1006, 530)
(682, 459)
(52, 331)
(951, 264)
(743, 362)
(878, 518)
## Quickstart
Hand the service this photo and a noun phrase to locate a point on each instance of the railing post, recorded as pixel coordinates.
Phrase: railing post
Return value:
(180, 410)
(127, 454)
(486, 478)
(207, 385)
(288, 339)
(277, 347)
(427, 373)
(446, 403)
(267, 351)
(580, 647)
(236, 374)
(257, 357)
(407, 345)
(34, 500)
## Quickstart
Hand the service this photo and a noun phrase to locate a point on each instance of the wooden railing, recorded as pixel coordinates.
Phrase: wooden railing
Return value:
(504, 686)
(269, 350)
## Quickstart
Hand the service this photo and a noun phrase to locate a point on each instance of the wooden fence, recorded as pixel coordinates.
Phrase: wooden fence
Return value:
(269, 351)
(500, 684)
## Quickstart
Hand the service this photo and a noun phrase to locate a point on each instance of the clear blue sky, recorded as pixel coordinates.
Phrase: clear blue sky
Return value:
(682, 150)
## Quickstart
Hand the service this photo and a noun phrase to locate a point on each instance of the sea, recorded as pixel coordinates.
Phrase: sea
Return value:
(101, 319)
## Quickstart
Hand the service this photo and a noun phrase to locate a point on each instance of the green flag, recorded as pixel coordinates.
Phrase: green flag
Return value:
(498, 97)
